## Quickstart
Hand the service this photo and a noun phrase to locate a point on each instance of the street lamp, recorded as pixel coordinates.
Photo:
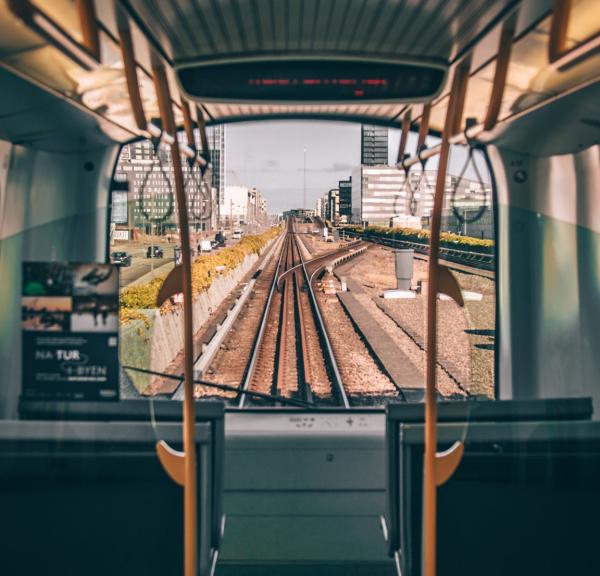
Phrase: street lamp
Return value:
(304, 178)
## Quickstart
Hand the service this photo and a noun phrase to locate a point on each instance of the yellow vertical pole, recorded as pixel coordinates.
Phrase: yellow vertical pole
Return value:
(406, 121)
(89, 26)
(189, 416)
(430, 475)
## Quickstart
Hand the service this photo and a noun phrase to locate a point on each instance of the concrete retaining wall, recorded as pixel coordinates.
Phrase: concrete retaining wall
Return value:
(156, 345)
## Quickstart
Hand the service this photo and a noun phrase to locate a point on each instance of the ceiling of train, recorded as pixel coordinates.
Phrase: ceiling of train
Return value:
(189, 35)
(438, 30)
(200, 31)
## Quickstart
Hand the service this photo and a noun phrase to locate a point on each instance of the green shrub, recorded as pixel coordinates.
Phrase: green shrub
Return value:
(143, 296)
(447, 239)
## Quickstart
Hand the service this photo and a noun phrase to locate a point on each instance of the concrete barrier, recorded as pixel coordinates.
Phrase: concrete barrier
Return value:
(154, 344)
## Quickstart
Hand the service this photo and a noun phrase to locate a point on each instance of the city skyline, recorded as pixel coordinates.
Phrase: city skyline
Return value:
(258, 156)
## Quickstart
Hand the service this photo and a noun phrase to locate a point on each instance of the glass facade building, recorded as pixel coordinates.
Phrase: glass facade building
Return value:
(150, 178)
(380, 197)
(374, 145)
(345, 199)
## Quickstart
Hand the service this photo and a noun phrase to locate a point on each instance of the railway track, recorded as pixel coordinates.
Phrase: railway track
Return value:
(292, 355)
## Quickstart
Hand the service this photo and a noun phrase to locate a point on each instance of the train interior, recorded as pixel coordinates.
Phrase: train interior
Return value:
(283, 489)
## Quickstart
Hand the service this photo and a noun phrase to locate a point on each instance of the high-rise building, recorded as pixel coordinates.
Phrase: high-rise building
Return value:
(216, 142)
(373, 145)
(380, 197)
(345, 199)
(149, 174)
(320, 207)
(333, 206)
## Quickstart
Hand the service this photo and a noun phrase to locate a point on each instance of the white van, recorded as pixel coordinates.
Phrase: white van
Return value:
(237, 233)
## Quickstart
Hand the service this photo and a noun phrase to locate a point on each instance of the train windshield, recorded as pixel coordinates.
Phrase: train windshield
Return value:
(328, 248)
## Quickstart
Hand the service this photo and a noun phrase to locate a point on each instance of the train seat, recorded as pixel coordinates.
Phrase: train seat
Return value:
(90, 497)
(529, 474)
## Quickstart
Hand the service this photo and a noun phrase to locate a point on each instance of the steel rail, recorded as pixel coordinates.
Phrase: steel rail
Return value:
(304, 383)
(316, 259)
(281, 349)
(261, 331)
(217, 386)
(330, 360)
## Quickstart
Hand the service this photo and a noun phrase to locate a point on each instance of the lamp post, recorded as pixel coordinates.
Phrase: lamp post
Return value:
(304, 182)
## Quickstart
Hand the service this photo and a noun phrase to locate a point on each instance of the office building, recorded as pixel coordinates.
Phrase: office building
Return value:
(374, 145)
(345, 200)
(320, 207)
(149, 177)
(380, 197)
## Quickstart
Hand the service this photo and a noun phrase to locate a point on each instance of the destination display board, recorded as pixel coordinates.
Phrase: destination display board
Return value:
(70, 329)
(306, 80)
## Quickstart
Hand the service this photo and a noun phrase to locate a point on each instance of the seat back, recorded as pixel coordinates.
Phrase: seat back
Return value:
(99, 484)
(465, 412)
(524, 500)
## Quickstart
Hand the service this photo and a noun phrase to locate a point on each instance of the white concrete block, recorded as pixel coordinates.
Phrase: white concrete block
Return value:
(467, 296)
(399, 294)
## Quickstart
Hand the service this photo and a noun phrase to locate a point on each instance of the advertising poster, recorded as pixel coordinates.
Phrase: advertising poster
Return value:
(70, 324)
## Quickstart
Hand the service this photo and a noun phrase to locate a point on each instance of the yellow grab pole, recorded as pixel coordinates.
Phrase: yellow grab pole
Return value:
(89, 26)
(438, 467)
(406, 121)
(424, 126)
(181, 466)
(133, 87)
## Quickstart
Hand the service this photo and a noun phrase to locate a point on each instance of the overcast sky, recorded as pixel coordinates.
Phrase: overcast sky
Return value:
(269, 156)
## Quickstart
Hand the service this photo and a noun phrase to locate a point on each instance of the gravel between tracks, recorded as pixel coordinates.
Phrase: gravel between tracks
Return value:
(360, 374)
(465, 336)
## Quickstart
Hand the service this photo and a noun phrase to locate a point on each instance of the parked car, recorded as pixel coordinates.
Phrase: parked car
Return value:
(158, 252)
(120, 259)
(220, 239)
(237, 234)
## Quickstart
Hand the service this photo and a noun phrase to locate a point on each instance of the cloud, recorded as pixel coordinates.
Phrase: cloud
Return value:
(335, 167)
(342, 166)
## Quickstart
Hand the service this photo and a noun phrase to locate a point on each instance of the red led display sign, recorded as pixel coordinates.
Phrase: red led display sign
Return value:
(302, 80)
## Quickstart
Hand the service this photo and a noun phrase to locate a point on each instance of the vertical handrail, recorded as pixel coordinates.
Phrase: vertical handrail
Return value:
(558, 29)
(202, 129)
(424, 126)
(501, 72)
(432, 474)
(129, 65)
(89, 26)
(460, 94)
(406, 122)
(188, 458)
(188, 123)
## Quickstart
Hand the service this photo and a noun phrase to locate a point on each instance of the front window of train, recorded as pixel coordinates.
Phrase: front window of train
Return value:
(346, 325)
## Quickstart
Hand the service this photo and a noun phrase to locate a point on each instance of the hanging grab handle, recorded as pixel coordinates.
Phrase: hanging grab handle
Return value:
(156, 156)
(462, 218)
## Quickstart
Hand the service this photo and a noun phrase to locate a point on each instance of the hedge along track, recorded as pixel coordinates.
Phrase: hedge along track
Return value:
(292, 355)
(470, 262)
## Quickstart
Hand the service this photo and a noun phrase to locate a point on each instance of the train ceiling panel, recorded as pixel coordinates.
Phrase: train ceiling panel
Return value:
(373, 61)
(189, 31)
(293, 51)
